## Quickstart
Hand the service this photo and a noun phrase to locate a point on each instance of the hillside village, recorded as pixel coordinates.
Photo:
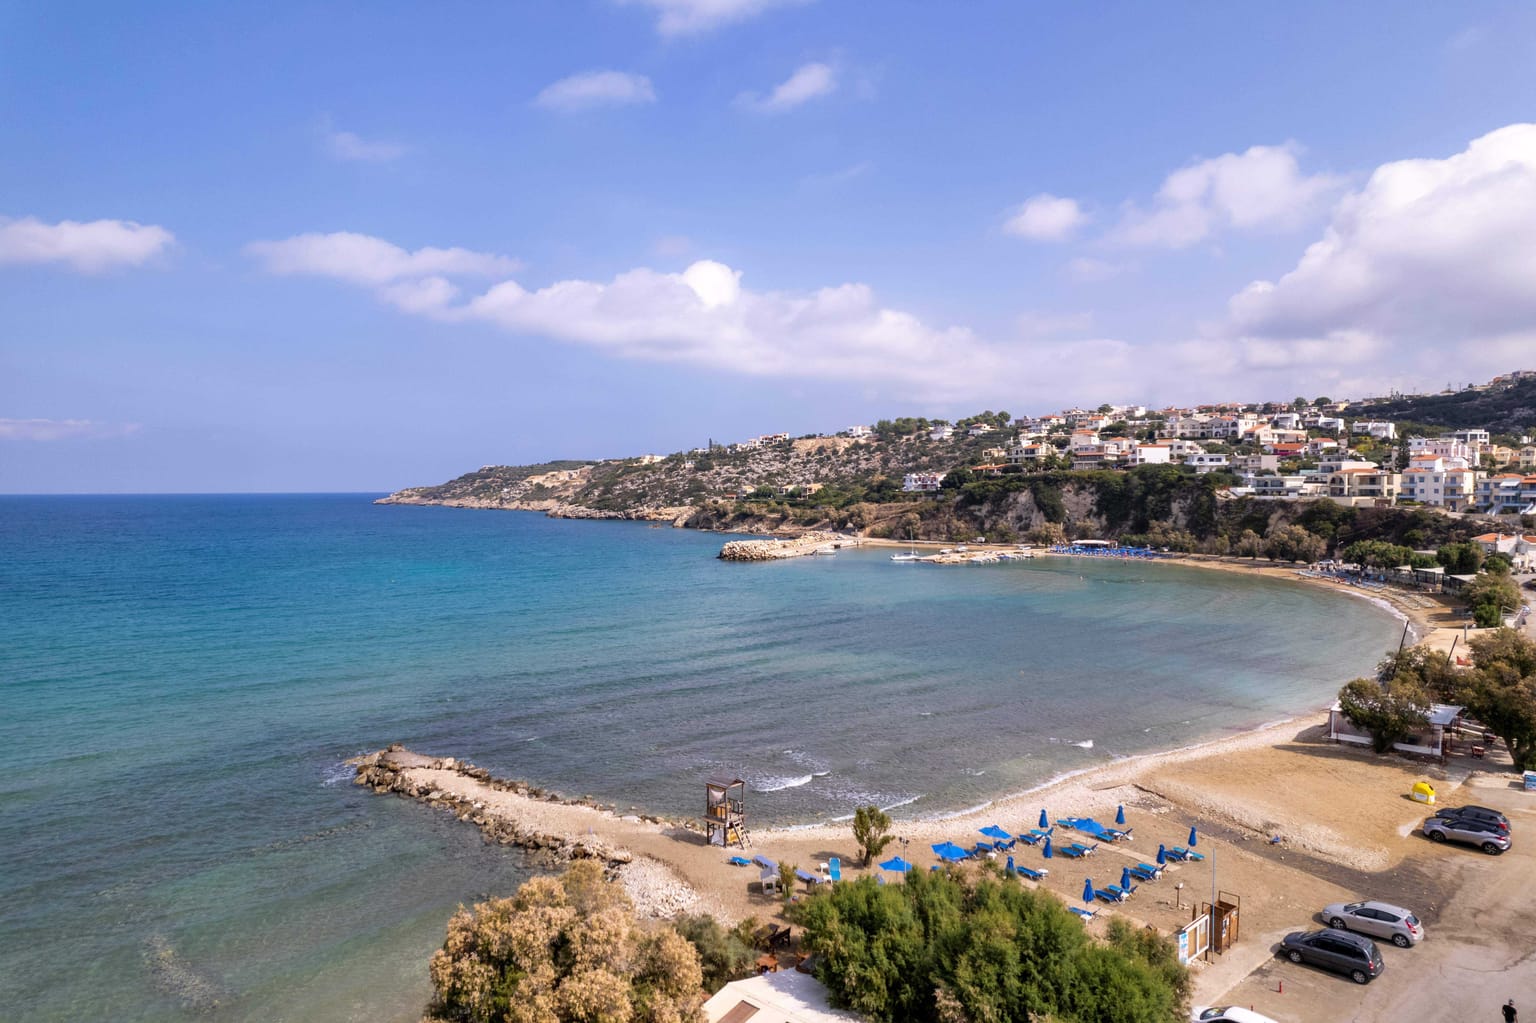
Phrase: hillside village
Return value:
(1348, 451)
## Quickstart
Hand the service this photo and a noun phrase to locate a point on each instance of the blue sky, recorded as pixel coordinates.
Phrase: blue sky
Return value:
(359, 247)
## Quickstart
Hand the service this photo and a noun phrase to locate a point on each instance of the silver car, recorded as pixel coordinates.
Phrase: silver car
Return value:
(1378, 919)
(1483, 834)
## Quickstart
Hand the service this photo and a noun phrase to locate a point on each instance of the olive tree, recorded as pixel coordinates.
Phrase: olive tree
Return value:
(872, 830)
(1389, 711)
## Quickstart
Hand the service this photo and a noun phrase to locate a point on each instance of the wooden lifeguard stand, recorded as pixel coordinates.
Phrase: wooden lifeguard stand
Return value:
(725, 812)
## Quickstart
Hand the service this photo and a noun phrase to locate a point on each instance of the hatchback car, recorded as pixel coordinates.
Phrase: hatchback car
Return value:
(1353, 955)
(1378, 919)
(1476, 813)
(1483, 834)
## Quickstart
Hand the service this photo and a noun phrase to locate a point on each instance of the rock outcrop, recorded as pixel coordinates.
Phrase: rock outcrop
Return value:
(791, 547)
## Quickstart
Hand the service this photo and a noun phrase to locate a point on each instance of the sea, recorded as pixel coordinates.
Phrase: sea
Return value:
(183, 677)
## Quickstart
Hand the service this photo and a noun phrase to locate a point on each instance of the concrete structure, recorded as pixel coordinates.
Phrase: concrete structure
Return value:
(1371, 486)
(1443, 719)
(1373, 428)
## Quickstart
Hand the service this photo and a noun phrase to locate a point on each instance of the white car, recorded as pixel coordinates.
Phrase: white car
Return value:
(1227, 1014)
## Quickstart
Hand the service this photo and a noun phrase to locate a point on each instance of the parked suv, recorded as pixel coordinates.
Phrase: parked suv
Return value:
(1378, 919)
(1353, 955)
(1483, 834)
(1475, 813)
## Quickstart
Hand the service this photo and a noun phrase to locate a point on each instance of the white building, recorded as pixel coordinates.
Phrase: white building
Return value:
(1443, 447)
(785, 996)
(922, 482)
(1372, 428)
(859, 432)
(943, 431)
(1151, 454)
(1439, 482)
(1207, 462)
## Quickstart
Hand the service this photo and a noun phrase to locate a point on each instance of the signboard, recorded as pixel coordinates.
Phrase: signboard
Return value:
(1194, 938)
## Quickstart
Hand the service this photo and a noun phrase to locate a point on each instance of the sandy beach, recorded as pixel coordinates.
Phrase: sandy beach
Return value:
(1288, 821)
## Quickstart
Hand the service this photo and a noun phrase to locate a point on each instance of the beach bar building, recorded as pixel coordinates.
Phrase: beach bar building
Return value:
(725, 811)
(1431, 742)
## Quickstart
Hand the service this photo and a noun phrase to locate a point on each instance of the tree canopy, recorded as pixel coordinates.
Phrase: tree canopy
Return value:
(1389, 711)
(940, 947)
(872, 830)
(1502, 691)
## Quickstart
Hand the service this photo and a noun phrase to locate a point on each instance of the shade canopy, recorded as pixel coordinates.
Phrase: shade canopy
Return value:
(993, 831)
(896, 863)
(950, 852)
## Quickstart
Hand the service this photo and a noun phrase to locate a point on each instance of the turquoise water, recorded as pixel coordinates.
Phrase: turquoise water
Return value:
(181, 677)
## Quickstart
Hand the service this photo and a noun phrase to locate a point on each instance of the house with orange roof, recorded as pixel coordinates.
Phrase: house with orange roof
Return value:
(1506, 493)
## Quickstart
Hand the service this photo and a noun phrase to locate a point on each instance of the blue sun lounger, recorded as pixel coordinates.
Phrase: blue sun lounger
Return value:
(1033, 875)
(809, 878)
(1076, 849)
(1147, 871)
(739, 861)
(1176, 854)
(1114, 893)
(1035, 835)
(764, 862)
(1086, 914)
(1187, 854)
(1089, 826)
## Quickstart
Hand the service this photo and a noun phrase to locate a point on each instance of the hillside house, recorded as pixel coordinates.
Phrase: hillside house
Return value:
(922, 482)
(1375, 428)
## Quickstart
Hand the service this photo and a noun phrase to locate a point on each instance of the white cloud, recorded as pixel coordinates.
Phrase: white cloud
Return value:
(1430, 265)
(89, 247)
(364, 259)
(1262, 187)
(1046, 218)
(62, 429)
(345, 145)
(596, 89)
(1088, 270)
(809, 82)
(690, 17)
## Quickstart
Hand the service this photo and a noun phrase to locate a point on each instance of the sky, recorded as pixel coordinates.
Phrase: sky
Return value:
(359, 247)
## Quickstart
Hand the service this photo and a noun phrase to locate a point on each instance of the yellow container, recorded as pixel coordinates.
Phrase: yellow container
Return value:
(1424, 792)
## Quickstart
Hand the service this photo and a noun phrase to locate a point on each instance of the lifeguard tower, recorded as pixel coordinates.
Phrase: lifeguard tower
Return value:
(725, 812)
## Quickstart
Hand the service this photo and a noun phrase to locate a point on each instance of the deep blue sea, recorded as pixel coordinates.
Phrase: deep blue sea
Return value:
(182, 677)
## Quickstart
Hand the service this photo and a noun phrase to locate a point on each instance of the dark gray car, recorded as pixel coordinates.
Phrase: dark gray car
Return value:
(1483, 834)
(1353, 955)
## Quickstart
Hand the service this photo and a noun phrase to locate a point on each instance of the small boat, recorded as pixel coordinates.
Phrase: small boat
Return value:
(913, 556)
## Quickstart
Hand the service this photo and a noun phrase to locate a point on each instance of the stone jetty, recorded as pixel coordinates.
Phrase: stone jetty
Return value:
(431, 780)
(788, 547)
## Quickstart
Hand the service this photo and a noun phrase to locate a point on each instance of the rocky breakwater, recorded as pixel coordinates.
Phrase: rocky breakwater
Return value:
(788, 547)
(507, 812)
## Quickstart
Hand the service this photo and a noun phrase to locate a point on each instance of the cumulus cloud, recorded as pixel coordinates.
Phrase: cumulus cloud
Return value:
(1430, 263)
(1046, 218)
(809, 82)
(691, 17)
(596, 89)
(62, 429)
(364, 259)
(1088, 270)
(1262, 187)
(89, 247)
(346, 145)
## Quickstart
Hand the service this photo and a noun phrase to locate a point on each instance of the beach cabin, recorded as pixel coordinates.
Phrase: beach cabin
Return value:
(725, 811)
(1444, 720)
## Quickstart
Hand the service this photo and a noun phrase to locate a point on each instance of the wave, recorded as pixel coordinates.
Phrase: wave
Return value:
(1085, 744)
(779, 784)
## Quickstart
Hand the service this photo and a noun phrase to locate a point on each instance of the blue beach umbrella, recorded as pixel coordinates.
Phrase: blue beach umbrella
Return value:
(896, 863)
(1194, 839)
(1162, 854)
(1046, 851)
(1120, 815)
(1009, 868)
(993, 831)
(1044, 820)
(1088, 891)
(1125, 877)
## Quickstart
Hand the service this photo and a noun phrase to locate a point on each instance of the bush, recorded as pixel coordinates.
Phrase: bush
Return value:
(563, 949)
(724, 955)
